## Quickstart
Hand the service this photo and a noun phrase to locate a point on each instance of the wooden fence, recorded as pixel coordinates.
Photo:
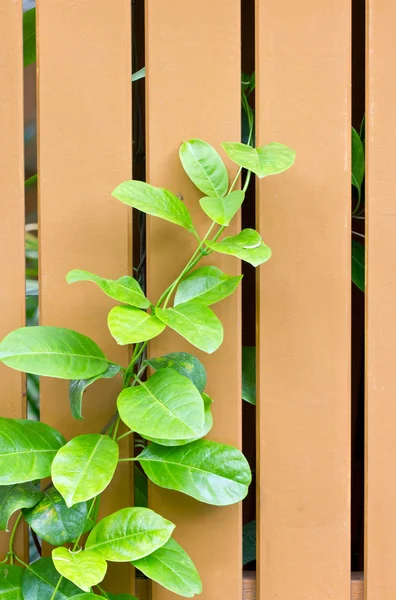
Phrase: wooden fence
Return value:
(303, 99)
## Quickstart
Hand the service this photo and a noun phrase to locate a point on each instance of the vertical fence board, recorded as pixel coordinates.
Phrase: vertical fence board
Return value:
(84, 95)
(193, 90)
(380, 580)
(303, 100)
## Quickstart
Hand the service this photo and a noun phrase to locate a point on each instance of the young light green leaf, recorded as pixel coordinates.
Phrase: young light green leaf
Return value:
(183, 363)
(129, 534)
(249, 374)
(196, 323)
(267, 160)
(77, 388)
(40, 580)
(206, 285)
(53, 521)
(171, 567)
(222, 210)
(29, 37)
(83, 568)
(125, 289)
(14, 497)
(130, 325)
(358, 161)
(204, 167)
(249, 542)
(52, 351)
(11, 582)
(246, 245)
(208, 471)
(27, 449)
(84, 467)
(167, 405)
(358, 265)
(154, 201)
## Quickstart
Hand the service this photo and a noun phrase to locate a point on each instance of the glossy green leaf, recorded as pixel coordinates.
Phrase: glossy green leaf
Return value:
(208, 471)
(129, 534)
(206, 285)
(29, 37)
(171, 567)
(87, 596)
(249, 542)
(154, 201)
(246, 245)
(358, 161)
(52, 351)
(83, 568)
(130, 325)
(358, 265)
(204, 167)
(27, 449)
(183, 363)
(267, 160)
(222, 210)
(14, 497)
(84, 467)
(196, 323)
(11, 582)
(249, 374)
(77, 388)
(40, 580)
(125, 289)
(53, 521)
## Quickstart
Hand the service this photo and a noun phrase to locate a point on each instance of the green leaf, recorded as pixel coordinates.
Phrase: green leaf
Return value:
(358, 161)
(11, 582)
(125, 289)
(196, 323)
(249, 374)
(40, 580)
(84, 467)
(208, 471)
(121, 597)
(267, 160)
(77, 388)
(27, 449)
(52, 351)
(154, 201)
(222, 210)
(32, 180)
(167, 405)
(129, 534)
(362, 132)
(141, 74)
(183, 363)
(14, 497)
(130, 325)
(204, 167)
(246, 245)
(171, 567)
(358, 265)
(83, 568)
(249, 542)
(29, 37)
(206, 285)
(88, 596)
(53, 521)
(141, 488)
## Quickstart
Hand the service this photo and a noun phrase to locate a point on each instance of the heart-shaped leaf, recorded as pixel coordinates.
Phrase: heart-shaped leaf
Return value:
(171, 567)
(249, 374)
(129, 534)
(154, 201)
(130, 325)
(183, 363)
(84, 467)
(40, 580)
(53, 521)
(204, 167)
(206, 285)
(167, 405)
(196, 323)
(246, 245)
(27, 449)
(125, 289)
(83, 568)
(14, 497)
(267, 160)
(52, 351)
(77, 388)
(222, 210)
(208, 471)
(11, 582)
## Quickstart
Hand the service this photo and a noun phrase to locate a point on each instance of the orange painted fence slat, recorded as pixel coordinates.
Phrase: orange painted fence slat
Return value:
(303, 100)
(193, 90)
(84, 113)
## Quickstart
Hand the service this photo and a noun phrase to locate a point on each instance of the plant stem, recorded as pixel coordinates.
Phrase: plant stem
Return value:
(105, 594)
(12, 538)
(57, 588)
